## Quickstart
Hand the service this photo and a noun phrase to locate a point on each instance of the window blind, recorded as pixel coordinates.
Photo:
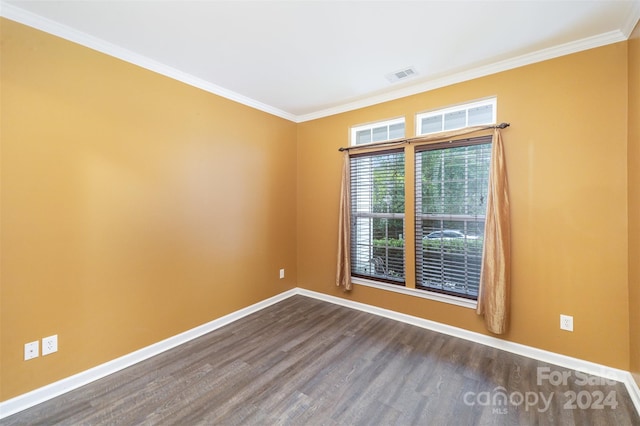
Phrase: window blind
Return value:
(377, 215)
(451, 195)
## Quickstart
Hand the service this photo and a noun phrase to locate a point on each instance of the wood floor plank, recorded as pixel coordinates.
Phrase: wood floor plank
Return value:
(307, 362)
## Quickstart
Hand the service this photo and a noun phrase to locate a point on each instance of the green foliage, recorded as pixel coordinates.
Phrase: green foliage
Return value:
(388, 184)
(452, 245)
(388, 242)
(454, 180)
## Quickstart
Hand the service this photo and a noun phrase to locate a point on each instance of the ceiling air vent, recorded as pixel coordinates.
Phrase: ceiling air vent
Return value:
(401, 75)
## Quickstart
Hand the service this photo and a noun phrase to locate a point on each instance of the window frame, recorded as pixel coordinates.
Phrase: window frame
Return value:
(355, 215)
(374, 125)
(415, 292)
(410, 251)
(493, 101)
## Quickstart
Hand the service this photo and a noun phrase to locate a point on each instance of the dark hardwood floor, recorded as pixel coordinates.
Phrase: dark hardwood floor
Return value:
(304, 361)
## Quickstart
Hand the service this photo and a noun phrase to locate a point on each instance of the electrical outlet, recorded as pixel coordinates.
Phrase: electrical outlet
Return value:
(281, 273)
(566, 322)
(49, 345)
(31, 350)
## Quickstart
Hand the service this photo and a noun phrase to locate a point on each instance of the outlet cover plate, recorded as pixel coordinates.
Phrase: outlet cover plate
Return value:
(566, 322)
(49, 345)
(31, 350)
(281, 273)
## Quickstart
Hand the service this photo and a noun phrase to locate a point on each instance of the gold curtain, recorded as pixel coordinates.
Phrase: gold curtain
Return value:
(495, 277)
(343, 277)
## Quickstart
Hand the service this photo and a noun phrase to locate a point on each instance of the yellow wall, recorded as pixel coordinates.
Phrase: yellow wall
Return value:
(567, 158)
(134, 207)
(634, 199)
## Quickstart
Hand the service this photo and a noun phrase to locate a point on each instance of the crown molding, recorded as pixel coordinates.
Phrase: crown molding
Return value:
(632, 20)
(47, 25)
(504, 65)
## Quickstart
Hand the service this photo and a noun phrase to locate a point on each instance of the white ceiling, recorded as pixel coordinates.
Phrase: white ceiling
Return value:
(306, 59)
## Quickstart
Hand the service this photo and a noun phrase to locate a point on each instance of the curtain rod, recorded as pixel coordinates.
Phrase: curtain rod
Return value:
(400, 141)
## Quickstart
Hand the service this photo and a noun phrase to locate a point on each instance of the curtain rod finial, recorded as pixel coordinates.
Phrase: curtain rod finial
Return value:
(503, 125)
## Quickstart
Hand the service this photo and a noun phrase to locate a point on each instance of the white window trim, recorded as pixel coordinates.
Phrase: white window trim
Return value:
(442, 111)
(425, 294)
(368, 126)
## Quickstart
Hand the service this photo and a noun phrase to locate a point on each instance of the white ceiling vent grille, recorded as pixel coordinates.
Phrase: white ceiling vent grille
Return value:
(402, 75)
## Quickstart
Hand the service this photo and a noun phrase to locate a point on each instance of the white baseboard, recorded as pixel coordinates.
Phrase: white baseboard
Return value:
(634, 391)
(516, 348)
(37, 396)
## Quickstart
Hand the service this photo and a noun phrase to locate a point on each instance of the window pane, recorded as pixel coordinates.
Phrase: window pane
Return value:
(454, 180)
(481, 115)
(388, 248)
(432, 124)
(380, 134)
(451, 258)
(455, 120)
(363, 136)
(377, 209)
(396, 131)
(451, 193)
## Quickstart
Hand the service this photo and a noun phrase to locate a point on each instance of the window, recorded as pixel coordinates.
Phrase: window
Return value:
(458, 117)
(449, 201)
(378, 132)
(451, 195)
(377, 214)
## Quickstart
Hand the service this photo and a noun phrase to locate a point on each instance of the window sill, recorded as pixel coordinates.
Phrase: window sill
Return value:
(453, 300)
